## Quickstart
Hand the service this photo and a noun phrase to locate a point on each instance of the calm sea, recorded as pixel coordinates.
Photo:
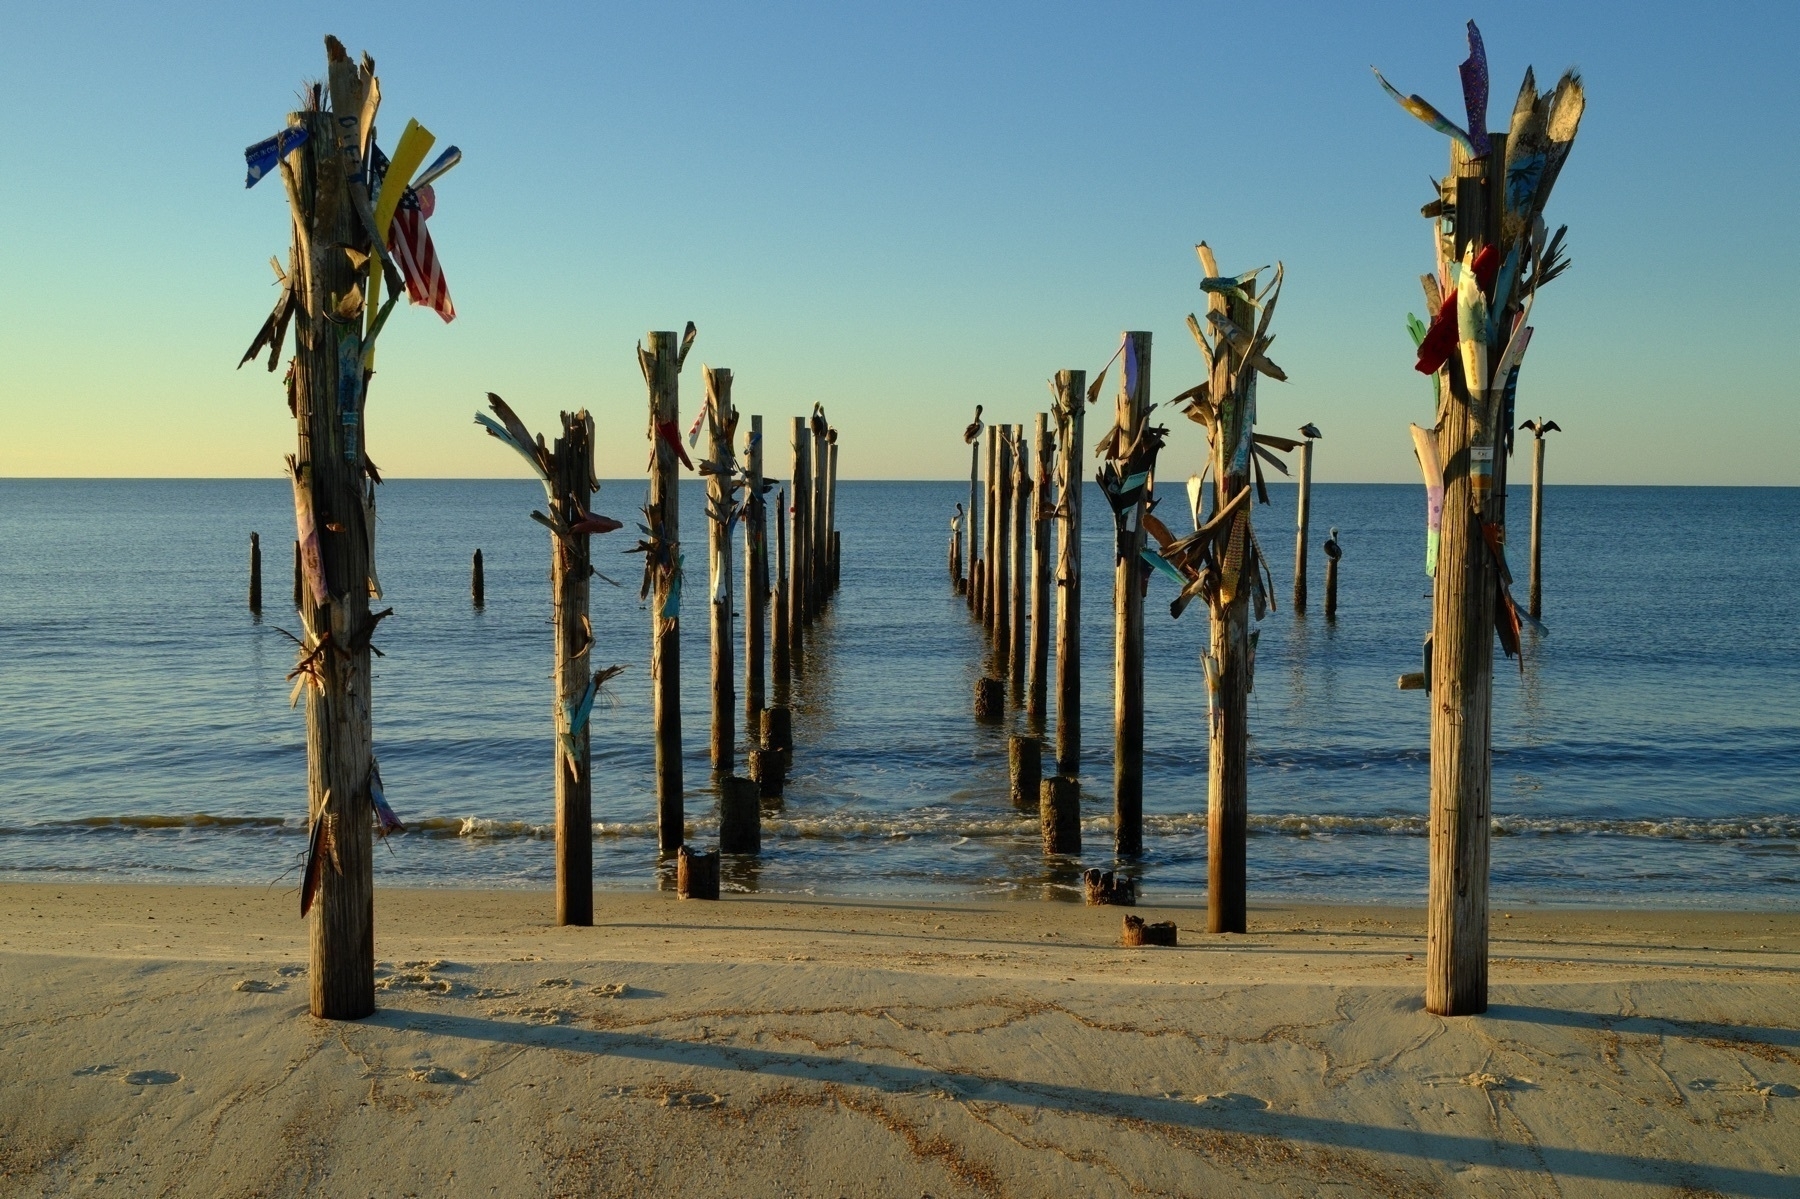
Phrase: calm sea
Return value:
(1647, 753)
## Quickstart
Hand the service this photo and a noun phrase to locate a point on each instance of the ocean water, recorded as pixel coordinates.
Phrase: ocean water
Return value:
(1646, 752)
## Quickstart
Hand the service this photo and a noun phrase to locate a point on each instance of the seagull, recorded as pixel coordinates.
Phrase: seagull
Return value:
(1332, 549)
(1541, 426)
(974, 429)
(1310, 431)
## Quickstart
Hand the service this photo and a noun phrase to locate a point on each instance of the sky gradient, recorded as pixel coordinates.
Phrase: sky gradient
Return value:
(900, 212)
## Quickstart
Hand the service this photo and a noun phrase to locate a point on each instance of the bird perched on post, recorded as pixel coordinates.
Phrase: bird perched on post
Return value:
(1541, 426)
(974, 429)
(820, 426)
(1333, 550)
(1311, 432)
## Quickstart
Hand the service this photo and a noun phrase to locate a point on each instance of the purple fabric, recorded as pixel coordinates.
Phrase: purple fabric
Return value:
(1475, 91)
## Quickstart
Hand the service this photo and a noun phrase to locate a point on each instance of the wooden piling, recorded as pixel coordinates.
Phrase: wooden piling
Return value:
(818, 562)
(1059, 815)
(299, 600)
(800, 558)
(1103, 888)
(721, 497)
(990, 551)
(756, 580)
(255, 574)
(956, 536)
(477, 582)
(570, 571)
(778, 731)
(1303, 512)
(1071, 388)
(696, 873)
(1534, 597)
(660, 359)
(1018, 588)
(990, 700)
(740, 815)
(778, 616)
(1037, 688)
(1138, 933)
(972, 521)
(1332, 553)
(1002, 565)
(1132, 414)
(1025, 768)
(831, 529)
(769, 769)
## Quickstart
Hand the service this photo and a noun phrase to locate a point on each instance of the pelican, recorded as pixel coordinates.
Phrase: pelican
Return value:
(1310, 431)
(820, 426)
(974, 429)
(1332, 549)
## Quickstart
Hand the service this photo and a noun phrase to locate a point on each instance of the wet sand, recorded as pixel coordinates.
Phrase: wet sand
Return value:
(155, 1040)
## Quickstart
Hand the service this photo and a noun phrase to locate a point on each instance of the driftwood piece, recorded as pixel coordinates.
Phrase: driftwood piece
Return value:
(696, 874)
(1104, 888)
(1136, 932)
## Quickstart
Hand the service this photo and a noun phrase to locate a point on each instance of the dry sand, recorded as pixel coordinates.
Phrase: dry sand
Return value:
(155, 1041)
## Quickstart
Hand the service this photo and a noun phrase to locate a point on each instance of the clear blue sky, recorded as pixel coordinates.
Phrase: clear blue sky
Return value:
(899, 211)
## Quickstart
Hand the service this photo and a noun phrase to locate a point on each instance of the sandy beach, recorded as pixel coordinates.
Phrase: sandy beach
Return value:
(155, 1040)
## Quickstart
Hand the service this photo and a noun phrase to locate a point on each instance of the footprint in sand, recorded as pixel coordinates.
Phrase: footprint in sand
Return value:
(556, 982)
(609, 990)
(254, 984)
(290, 971)
(150, 1078)
(437, 1075)
(1233, 1101)
(1496, 1082)
(691, 1099)
(90, 1071)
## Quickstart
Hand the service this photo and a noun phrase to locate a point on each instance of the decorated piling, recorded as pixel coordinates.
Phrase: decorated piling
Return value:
(566, 470)
(1068, 388)
(343, 193)
(1491, 254)
(720, 469)
(660, 358)
(1037, 683)
(756, 578)
(1126, 477)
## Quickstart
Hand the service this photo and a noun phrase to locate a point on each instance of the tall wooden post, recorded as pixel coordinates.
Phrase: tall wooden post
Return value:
(756, 581)
(1003, 535)
(477, 581)
(1462, 654)
(1128, 616)
(1037, 685)
(972, 521)
(333, 498)
(779, 663)
(1071, 465)
(255, 574)
(1019, 584)
(661, 359)
(1534, 599)
(819, 557)
(831, 529)
(1302, 517)
(721, 425)
(799, 559)
(570, 570)
(990, 550)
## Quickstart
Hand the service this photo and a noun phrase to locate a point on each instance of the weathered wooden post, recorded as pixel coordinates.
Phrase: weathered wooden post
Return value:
(255, 574)
(323, 157)
(1025, 769)
(1302, 517)
(1019, 585)
(1332, 553)
(661, 364)
(740, 815)
(1059, 815)
(1037, 684)
(1069, 387)
(756, 579)
(818, 562)
(956, 538)
(990, 700)
(1002, 570)
(831, 529)
(721, 515)
(1131, 463)
(299, 576)
(1487, 220)
(989, 528)
(477, 582)
(566, 471)
(800, 565)
(778, 617)
(1534, 593)
(972, 519)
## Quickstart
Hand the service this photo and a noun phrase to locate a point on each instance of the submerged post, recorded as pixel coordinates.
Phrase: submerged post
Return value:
(1131, 421)
(800, 565)
(990, 551)
(778, 616)
(1021, 546)
(661, 359)
(1037, 684)
(831, 529)
(1001, 569)
(255, 574)
(1302, 517)
(756, 580)
(1332, 553)
(1070, 387)
(721, 503)
(477, 582)
(818, 563)
(1534, 596)
(972, 519)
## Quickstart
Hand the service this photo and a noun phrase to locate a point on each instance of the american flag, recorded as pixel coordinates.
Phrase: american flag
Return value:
(410, 242)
